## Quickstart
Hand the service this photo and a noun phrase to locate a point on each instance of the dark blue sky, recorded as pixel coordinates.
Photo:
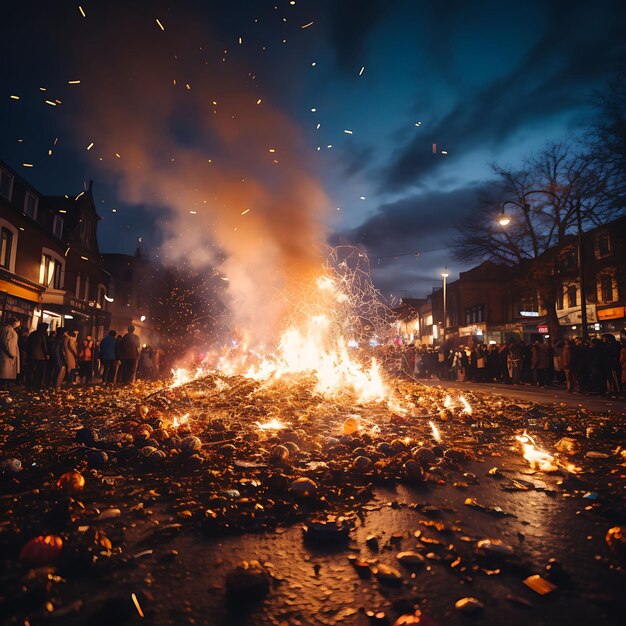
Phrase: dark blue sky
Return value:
(483, 81)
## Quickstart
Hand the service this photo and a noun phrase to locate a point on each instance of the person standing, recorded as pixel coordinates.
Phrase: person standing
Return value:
(38, 356)
(129, 353)
(59, 365)
(85, 360)
(70, 355)
(108, 357)
(9, 352)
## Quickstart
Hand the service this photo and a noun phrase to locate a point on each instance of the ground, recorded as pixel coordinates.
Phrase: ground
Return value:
(161, 524)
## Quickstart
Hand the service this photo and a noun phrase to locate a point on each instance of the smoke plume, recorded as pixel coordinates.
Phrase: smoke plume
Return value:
(181, 125)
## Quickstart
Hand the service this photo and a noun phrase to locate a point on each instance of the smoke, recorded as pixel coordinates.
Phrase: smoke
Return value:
(230, 174)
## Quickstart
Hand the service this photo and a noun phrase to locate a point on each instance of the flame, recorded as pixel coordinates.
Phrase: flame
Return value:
(273, 424)
(466, 405)
(436, 433)
(538, 459)
(177, 421)
(314, 342)
(447, 403)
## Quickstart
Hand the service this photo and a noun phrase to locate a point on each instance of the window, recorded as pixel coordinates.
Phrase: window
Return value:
(569, 259)
(606, 287)
(57, 226)
(30, 205)
(475, 314)
(6, 184)
(603, 244)
(51, 271)
(572, 296)
(6, 247)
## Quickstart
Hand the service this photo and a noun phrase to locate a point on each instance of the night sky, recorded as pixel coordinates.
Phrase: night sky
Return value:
(484, 81)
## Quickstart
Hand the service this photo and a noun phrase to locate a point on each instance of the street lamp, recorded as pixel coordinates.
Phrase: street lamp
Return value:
(504, 220)
(444, 275)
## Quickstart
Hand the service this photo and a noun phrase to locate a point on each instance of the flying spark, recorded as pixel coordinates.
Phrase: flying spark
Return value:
(158, 21)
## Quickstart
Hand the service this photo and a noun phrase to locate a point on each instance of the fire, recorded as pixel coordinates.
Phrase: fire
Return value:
(273, 424)
(466, 405)
(538, 459)
(436, 433)
(177, 421)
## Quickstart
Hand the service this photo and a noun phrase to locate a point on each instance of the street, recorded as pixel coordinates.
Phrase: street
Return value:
(160, 540)
(544, 395)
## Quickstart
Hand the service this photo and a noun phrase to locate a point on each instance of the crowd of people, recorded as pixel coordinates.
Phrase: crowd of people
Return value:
(44, 358)
(594, 366)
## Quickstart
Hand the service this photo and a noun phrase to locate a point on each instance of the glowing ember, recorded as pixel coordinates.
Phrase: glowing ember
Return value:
(447, 403)
(538, 459)
(436, 433)
(466, 405)
(273, 424)
(183, 419)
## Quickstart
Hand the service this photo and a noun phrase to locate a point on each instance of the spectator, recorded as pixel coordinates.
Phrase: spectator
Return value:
(38, 357)
(59, 364)
(108, 357)
(70, 355)
(129, 353)
(85, 360)
(9, 353)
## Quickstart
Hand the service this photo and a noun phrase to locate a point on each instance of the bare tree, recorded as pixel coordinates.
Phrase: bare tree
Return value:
(553, 194)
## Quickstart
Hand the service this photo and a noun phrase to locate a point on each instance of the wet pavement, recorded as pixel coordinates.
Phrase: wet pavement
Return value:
(158, 544)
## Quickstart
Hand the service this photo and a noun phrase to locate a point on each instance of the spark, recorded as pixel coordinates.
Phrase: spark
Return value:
(246, 211)
(52, 104)
(348, 132)
(307, 25)
(240, 40)
(27, 164)
(73, 82)
(466, 405)
(436, 433)
(50, 152)
(318, 126)
(273, 424)
(193, 212)
(14, 97)
(361, 71)
(259, 101)
(84, 258)
(79, 195)
(118, 156)
(313, 110)
(90, 146)
(82, 12)
(137, 605)
(272, 150)
(158, 21)
(444, 152)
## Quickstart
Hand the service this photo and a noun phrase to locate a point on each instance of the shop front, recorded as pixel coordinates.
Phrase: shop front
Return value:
(19, 298)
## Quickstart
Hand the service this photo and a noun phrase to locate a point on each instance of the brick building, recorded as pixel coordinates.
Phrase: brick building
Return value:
(50, 265)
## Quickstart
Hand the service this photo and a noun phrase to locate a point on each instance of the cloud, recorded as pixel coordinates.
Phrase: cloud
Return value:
(424, 223)
(556, 75)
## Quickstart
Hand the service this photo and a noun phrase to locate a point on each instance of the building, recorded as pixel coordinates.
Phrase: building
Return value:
(476, 306)
(50, 266)
(136, 280)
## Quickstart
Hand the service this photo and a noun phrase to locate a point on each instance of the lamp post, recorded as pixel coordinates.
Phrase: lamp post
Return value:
(504, 219)
(444, 275)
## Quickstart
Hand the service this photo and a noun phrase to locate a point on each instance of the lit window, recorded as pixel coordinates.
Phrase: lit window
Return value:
(51, 272)
(572, 296)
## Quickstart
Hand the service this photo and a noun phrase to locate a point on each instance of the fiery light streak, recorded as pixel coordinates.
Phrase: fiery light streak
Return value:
(158, 21)
(436, 433)
(273, 424)
(538, 459)
(466, 405)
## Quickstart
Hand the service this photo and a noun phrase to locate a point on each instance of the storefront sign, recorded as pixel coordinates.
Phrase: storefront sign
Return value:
(543, 329)
(612, 314)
